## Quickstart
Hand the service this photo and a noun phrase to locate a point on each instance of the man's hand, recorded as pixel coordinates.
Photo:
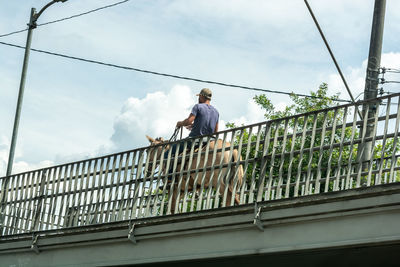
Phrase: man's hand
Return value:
(187, 122)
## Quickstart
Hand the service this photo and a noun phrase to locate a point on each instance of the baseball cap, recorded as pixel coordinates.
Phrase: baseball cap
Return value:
(206, 93)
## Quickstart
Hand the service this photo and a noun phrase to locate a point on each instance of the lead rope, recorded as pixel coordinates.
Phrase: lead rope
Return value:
(175, 134)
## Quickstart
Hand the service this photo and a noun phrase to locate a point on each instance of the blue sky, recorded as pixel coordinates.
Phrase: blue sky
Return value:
(74, 110)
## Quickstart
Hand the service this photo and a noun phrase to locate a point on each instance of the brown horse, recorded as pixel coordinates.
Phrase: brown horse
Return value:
(217, 177)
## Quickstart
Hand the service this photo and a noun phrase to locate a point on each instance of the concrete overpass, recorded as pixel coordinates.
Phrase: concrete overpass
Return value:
(359, 226)
(302, 196)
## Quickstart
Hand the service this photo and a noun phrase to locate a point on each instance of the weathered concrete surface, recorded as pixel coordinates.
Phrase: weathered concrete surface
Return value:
(319, 228)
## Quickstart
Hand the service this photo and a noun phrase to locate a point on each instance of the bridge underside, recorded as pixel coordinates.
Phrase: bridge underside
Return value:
(341, 228)
(387, 255)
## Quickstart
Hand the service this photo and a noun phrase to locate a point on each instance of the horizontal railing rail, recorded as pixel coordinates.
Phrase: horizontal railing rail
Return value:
(310, 153)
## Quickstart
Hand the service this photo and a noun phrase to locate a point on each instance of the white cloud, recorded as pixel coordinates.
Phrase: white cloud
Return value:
(253, 114)
(18, 166)
(154, 115)
(355, 77)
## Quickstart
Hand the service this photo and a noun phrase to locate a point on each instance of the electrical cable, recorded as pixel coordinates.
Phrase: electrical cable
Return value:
(84, 13)
(330, 51)
(390, 81)
(172, 75)
(67, 18)
(11, 33)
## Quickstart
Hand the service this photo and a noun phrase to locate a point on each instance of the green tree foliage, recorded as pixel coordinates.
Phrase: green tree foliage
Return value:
(329, 127)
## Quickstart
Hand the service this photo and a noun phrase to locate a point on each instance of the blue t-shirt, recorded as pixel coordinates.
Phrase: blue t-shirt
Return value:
(206, 119)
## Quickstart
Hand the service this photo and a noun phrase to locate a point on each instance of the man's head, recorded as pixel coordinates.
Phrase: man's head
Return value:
(204, 95)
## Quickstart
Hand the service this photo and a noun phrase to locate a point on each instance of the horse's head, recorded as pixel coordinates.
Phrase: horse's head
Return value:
(155, 147)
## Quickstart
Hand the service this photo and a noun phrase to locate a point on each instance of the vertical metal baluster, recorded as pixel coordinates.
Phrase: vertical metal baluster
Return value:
(282, 161)
(8, 209)
(111, 188)
(44, 217)
(212, 184)
(124, 188)
(393, 161)
(170, 178)
(299, 169)
(350, 162)
(61, 221)
(370, 166)
(83, 193)
(138, 185)
(71, 213)
(56, 203)
(321, 154)
(116, 200)
(166, 180)
(360, 165)
(199, 205)
(78, 194)
(243, 188)
(234, 175)
(69, 208)
(131, 186)
(148, 198)
(5, 207)
(264, 161)
(39, 204)
(87, 192)
(332, 141)
(291, 157)
(101, 204)
(378, 179)
(272, 165)
(16, 205)
(181, 178)
(31, 201)
(310, 155)
(153, 205)
(95, 206)
(253, 172)
(196, 175)
(143, 196)
(220, 170)
(227, 175)
(94, 190)
(101, 208)
(52, 196)
(13, 203)
(339, 162)
(21, 200)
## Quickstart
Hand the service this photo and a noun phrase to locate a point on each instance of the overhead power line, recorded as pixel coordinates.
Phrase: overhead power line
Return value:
(172, 75)
(330, 51)
(67, 18)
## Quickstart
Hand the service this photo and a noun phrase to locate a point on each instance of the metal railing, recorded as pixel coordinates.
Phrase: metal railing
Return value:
(306, 154)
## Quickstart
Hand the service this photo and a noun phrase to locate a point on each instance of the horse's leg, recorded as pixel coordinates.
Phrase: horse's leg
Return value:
(230, 189)
(174, 196)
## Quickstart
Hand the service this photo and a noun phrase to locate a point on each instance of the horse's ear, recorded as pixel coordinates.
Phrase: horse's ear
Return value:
(151, 140)
(162, 139)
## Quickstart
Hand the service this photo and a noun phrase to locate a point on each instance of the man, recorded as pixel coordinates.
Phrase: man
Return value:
(203, 119)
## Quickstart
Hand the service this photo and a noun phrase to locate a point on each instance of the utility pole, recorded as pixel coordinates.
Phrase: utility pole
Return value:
(371, 80)
(31, 26)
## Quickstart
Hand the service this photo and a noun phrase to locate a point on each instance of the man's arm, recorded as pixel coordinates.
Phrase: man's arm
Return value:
(188, 121)
(216, 127)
